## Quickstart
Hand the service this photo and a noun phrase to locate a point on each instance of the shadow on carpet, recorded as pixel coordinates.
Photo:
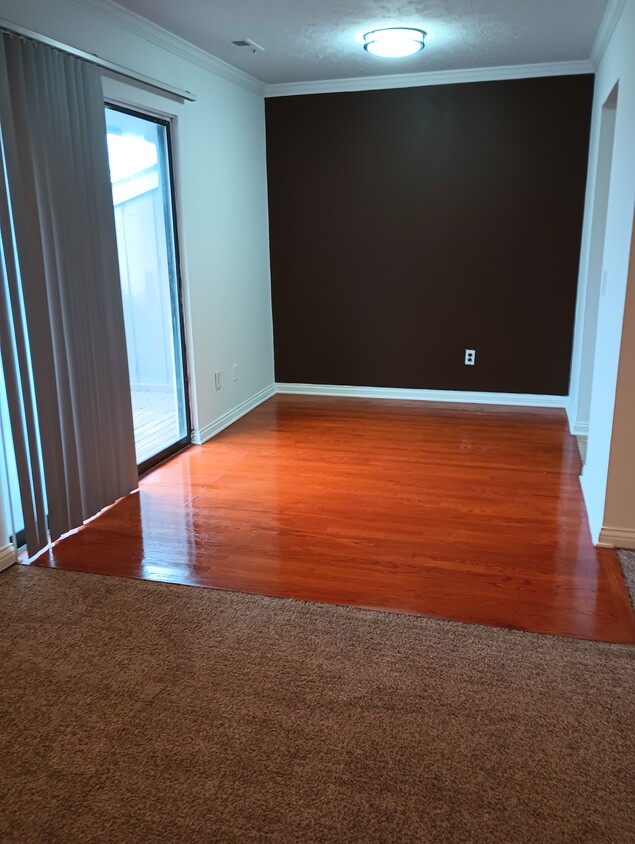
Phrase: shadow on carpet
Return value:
(140, 712)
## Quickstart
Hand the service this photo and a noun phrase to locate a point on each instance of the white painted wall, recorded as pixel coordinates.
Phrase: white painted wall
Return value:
(221, 189)
(591, 267)
(617, 66)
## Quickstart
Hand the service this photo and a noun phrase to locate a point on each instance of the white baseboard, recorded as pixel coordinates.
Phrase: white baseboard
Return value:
(512, 399)
(396, 394)
(583, 447)
(7, 557)
(580, 429)
(577, 428)
(617, 538)
(209, 431)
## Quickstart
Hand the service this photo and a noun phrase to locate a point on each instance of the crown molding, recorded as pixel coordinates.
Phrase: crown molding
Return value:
(440, 77)
(154, 34)
(607, 28)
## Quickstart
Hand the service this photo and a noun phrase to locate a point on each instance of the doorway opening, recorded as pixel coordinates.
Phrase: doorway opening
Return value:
(597, 278)
(139, 150)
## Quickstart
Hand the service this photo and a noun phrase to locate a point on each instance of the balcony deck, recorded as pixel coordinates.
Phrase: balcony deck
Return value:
(156, 421)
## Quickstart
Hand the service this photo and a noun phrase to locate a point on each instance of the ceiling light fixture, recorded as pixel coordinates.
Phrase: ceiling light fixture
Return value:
(394, 43)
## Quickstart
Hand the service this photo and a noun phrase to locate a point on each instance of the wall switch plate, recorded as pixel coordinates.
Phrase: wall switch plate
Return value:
(235, 372)
(218, 383)
(470, 357)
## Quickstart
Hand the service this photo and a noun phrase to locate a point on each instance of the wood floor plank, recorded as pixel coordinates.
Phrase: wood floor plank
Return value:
(462, 512)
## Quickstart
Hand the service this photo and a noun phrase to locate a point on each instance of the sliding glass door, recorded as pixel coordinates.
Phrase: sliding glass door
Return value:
(142, 188)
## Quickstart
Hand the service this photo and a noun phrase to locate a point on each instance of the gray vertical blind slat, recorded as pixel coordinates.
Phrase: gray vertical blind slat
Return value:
(57, 166)
(15, 355)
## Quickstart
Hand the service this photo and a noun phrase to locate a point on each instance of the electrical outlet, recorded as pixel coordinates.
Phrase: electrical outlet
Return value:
(470, 357)
(235, 372)
(218, 380)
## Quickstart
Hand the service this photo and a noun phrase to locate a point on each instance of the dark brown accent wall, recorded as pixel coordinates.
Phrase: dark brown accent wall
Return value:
(407, 225)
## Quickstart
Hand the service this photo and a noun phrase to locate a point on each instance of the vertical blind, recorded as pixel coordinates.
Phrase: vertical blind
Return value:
(61, 317)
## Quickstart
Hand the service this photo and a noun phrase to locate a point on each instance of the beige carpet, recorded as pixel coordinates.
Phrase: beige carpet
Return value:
(627, 559)
(140, 712)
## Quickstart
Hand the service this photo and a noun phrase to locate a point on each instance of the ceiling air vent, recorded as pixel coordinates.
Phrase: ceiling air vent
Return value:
(249, 44)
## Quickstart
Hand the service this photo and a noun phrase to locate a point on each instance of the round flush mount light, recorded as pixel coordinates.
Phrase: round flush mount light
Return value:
(394, 43)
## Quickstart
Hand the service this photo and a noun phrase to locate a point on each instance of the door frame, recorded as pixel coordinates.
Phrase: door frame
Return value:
(185, 441)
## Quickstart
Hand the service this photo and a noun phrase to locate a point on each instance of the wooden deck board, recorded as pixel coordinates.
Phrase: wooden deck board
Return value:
(155, 422)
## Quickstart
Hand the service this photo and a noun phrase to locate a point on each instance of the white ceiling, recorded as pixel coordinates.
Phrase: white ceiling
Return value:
(308, 40)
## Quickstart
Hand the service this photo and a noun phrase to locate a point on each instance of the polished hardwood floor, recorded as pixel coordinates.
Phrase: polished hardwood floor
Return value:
(460, 512)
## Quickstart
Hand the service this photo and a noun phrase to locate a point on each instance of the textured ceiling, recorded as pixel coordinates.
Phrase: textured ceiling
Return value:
(308, 40)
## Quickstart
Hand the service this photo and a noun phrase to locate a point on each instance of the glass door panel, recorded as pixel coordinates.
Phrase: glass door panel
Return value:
(140, 172)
